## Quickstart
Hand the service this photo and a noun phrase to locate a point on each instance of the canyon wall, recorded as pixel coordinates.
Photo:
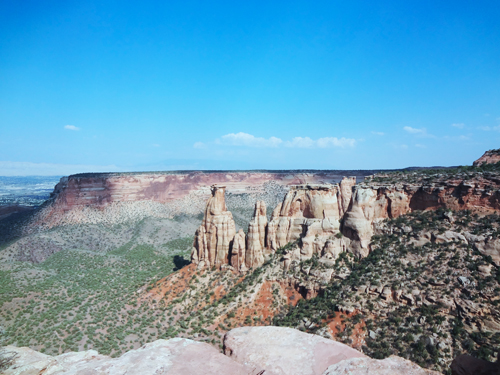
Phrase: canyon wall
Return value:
(104, 197)
(327, 219)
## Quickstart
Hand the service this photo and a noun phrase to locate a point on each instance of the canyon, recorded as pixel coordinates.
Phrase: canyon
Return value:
(403, 263)
(109, 198)
(327, 219)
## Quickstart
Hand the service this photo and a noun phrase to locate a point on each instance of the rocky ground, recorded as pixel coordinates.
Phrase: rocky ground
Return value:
(248, 351)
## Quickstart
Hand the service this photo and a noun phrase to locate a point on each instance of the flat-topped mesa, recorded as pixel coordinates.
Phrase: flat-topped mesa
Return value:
(213, 239)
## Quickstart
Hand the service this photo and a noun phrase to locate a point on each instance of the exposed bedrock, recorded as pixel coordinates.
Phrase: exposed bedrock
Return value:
(328, 219)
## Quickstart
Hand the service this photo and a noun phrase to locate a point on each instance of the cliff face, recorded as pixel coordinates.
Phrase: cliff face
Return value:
(110, 197)
(101, 190)
(329, 219)
(489, 157)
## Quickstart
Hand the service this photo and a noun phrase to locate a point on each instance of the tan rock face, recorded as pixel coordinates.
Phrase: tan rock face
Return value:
(162, 357)
(214, 238)
(391, 365)
(310, 213)
(330, 219)
(489, 157)
(238, 252)
(256, 239)
(285, 351)
(102, 191)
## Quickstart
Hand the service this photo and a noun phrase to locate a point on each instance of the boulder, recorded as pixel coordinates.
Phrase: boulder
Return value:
(285, 351)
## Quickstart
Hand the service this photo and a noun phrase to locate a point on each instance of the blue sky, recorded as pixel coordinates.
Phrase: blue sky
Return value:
(126, 86)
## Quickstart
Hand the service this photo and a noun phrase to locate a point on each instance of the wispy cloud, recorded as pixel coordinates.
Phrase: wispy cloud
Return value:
(459, 125)
(378, 133)
(249, 140)
(420, 145)
(71, 127)
(335, 142)
(422, 132)
(411, 130)
(489, 128)
(245, 139)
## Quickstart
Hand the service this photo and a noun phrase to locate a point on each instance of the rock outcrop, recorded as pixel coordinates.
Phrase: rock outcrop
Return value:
(216, 242)
(327, 219)
(173, 357)
(285, 351)
(108, 197)
(489, 157)
(391, 365)
(249, 351)
(256, 238)
(214, 238)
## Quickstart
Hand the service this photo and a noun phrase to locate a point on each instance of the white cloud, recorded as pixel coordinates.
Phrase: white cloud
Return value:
(18, 168)
(420, 145)
(378, 133)
(300, 142)
(336, 142)
(411, 130)
(245, 139)
(155, 145)
(459, 125)
(489, 128)
(418, 132)
(71, 127)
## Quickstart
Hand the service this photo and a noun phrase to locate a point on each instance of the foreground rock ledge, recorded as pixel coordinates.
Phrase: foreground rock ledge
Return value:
(249, 351)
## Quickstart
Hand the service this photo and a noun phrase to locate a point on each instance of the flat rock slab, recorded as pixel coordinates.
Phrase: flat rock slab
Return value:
(173, 357)
(364, 366)
(285, 351)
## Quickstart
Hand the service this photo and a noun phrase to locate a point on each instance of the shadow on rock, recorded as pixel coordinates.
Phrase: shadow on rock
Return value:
(180, 262)
(465, 364)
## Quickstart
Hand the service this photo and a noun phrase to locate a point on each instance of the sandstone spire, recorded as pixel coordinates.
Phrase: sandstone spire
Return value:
(256, 239)
(213, 239)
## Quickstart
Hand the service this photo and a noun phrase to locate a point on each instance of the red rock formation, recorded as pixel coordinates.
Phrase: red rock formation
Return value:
(74, 195)
(489, 157)
(238, 252)
(213, 239)
(256, 239)
(313, 214)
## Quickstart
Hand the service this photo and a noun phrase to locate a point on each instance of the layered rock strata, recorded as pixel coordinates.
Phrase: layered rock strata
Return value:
(489, 157)
(214, 238)
(108, 197)
(327, 220)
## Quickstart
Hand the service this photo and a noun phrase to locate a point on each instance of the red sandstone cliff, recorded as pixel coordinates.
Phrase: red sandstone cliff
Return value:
(489, 157)
(330, 219)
